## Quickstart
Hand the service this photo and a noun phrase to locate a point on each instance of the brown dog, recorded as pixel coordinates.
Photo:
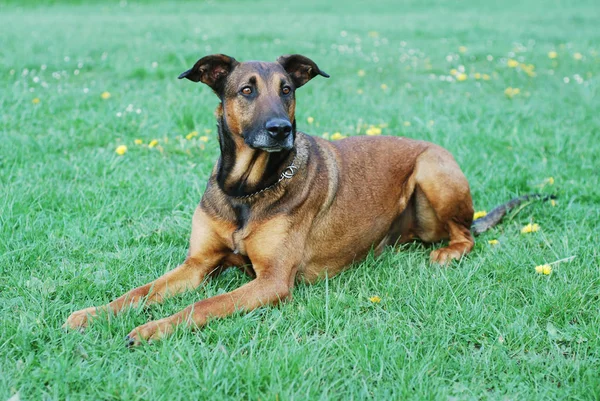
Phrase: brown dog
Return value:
(287, 206)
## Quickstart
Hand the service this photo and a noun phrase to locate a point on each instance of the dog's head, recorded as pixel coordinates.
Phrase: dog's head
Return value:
(257, 98)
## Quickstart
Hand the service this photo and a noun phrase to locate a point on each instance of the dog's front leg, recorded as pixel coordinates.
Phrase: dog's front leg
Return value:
(186, 276)
(264, 290)
(206, 252)
(275, 253)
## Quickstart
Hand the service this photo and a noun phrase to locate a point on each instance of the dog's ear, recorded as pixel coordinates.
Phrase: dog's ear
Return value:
(211, 70)
(301, 69)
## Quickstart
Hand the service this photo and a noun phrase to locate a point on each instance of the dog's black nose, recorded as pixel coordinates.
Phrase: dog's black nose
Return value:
(278, 128)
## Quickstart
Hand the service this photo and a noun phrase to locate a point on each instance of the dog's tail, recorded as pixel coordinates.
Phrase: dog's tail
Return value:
(495, 216)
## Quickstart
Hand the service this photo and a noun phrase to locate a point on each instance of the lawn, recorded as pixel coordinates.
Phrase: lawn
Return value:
(511, 89)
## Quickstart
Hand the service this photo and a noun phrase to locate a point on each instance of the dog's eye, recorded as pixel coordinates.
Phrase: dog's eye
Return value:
(246, 90)
(286, 90)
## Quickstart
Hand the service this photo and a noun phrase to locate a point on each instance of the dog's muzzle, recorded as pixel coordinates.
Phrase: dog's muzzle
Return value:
(276, 136)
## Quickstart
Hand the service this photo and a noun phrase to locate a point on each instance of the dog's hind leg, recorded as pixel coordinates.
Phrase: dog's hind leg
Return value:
(443, 204)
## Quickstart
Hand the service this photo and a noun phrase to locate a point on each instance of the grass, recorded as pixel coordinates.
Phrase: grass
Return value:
(80, 225)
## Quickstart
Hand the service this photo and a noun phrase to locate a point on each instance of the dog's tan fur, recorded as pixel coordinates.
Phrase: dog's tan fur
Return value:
(346, 198)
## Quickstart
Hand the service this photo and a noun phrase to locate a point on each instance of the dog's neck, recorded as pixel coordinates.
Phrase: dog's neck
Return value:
(241, 170)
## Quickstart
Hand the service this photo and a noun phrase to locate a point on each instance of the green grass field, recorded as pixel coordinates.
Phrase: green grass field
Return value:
(512, 90)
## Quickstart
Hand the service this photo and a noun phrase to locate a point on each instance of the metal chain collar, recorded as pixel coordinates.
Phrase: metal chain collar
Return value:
(286, 174)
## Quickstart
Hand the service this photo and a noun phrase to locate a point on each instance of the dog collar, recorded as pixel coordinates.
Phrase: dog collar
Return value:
(286, 174)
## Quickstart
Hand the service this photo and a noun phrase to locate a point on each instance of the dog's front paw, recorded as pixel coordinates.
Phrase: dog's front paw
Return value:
(151, 331)
(444, 256)
(80, 319)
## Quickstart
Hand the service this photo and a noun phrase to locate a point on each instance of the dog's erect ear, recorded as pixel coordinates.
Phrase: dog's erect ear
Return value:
(301, 69)
(211, 70)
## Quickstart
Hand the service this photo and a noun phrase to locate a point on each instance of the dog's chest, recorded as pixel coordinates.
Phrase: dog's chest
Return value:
(237, 239)
(242, 215)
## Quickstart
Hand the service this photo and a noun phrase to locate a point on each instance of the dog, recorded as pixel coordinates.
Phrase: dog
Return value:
(288, 207)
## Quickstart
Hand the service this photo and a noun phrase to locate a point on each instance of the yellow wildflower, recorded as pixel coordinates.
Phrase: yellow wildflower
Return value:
(543, 269)
(375, 299)
(462, 49)
(310, 120)
(453, 71)
(336, 136)
(35, 100)
(480, 214)
(550, 180)
(371, 131)
(461, 77)
(406, 123)
(203, 138)
(384, 86)
(153, 143)
(361, 73)
(477, 75)
(530, 228)
(105, 95)
(493, 242)
(121, 150)
(552, 202)
(191, 135)
(511, 92)
(577, 56)
(552, 54)
(512, 63)
(528, 69)
(485, 77)
(138, 141)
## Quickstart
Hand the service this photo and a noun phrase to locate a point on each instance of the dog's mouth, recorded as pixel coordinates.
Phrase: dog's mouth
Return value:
(273, 149)
(263, 141)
